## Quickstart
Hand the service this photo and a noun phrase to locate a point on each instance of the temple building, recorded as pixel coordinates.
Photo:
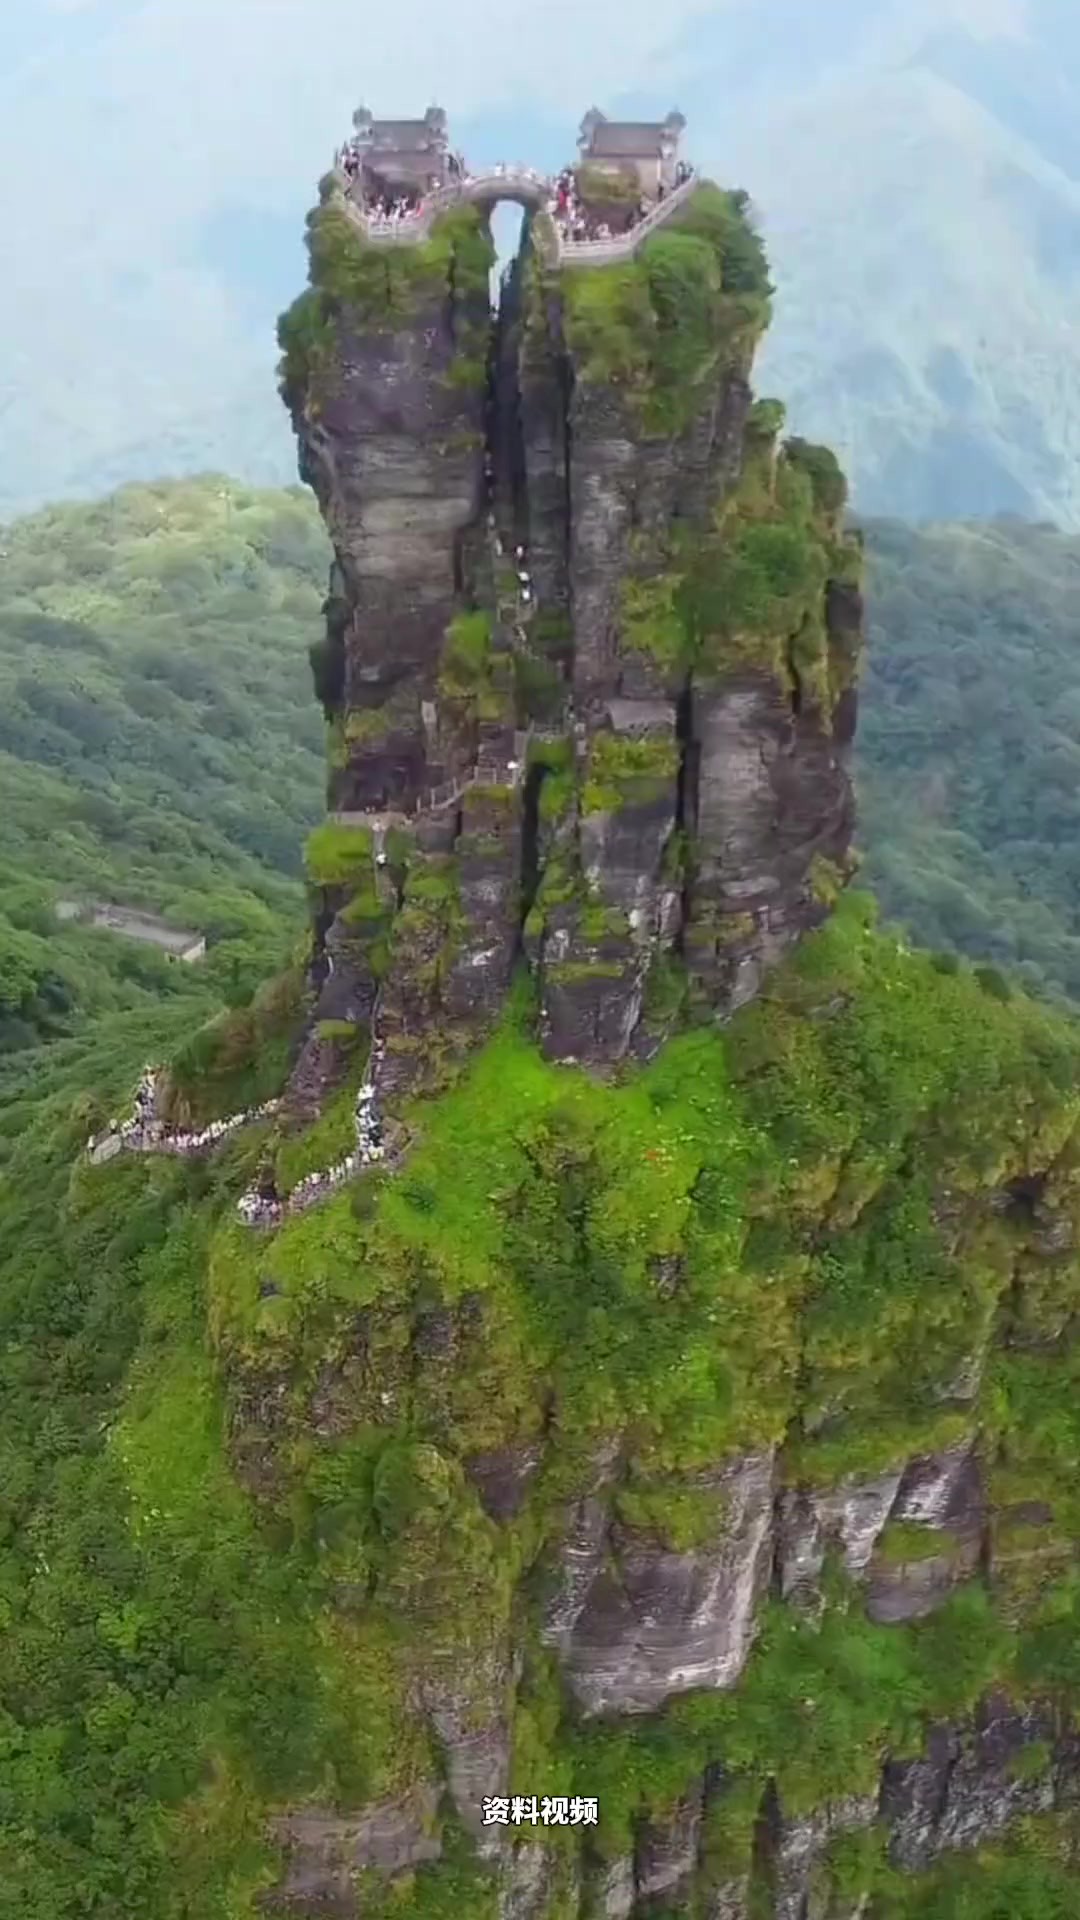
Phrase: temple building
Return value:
(641, 151)
(402, 157)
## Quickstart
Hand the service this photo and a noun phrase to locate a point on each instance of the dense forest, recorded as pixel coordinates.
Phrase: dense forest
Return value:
(159, 748)
(969, 742)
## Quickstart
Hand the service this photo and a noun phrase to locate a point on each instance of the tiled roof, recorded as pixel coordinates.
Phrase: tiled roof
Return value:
(406, 161)
(402, 135)
(628, 139)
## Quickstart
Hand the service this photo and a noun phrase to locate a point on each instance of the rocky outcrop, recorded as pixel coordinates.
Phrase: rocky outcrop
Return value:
(667, 1852)
(325, 1852)
(636, 1622)
(941, 1502)
(795, 1848)
(393, 451)
(971, 1782)
(910, 1535)
(809, 1520)
(504, 518)
(534, 1881)
(770, 797)
(502, 1477)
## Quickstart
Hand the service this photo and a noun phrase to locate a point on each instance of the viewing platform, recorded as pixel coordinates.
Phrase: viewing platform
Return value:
(396, 178)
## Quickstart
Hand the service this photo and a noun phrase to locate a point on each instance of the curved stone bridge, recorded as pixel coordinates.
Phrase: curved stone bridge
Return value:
(529, 189)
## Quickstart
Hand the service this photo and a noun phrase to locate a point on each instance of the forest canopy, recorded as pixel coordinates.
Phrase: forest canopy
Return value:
(159, 746)
(968, 749)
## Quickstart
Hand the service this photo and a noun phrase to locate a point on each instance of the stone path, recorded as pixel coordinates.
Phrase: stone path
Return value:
(145, 1132)
(258, 1208)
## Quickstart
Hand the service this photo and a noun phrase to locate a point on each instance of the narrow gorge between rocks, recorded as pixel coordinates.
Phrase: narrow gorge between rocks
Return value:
(618, 794)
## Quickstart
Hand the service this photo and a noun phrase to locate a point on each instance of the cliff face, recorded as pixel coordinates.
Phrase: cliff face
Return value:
(695, 1444)
(667, 1438)
(535, 527)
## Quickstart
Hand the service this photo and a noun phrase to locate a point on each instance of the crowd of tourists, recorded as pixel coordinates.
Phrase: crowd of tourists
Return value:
(573, 221)
(576, 225)
(146, 1132)
(263, 1206)
(521, 560)
(524, 577)
(387, 211)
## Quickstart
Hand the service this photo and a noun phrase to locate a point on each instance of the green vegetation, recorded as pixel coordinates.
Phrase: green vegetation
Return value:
(656, 326)
(171, 1653)
(751, 593)
(158, 748)
(825, 473)
(903, 1543)
(337, 856)
(969, 743)
(467, 673)
(681, 1520)
(628, 772)
(331, 1138)
(382, 287)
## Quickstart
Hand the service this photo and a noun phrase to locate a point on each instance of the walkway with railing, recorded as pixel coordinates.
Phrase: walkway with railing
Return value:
(144, 1131)
(490, 773)
(530, 190)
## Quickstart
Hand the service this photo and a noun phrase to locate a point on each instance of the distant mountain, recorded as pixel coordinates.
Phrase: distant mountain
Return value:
(924, 218)
(160, 747)
(916, 164)
(968, 748)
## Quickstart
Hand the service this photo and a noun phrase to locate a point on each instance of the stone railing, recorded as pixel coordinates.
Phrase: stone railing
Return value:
(623, 246)
(432, 798)
(530, 190)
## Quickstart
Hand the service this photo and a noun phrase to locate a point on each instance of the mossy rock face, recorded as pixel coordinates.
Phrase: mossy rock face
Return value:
(655, 328)
(676, 1262)
(628, 772)
(755, 594)
(380, 288)
(339, 856)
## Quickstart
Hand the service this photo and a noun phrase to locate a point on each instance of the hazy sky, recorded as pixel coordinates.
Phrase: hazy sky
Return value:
(471, 53)
(157, 158)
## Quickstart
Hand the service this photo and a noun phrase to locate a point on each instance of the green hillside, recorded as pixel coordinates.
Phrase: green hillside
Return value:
(180, 1657)
(969, 742)
(159, 747)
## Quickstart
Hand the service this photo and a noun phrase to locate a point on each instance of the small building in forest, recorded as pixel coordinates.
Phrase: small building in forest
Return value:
(401, 157)
(642, 153)
(179, 943)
